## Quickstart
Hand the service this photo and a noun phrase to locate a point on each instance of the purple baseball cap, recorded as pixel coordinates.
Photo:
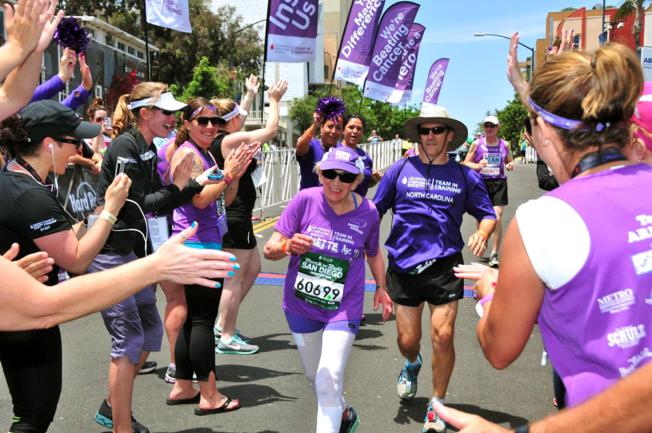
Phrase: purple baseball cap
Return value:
(342, 158)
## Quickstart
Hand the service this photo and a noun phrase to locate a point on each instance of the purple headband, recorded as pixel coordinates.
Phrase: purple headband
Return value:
(562, 122)
(198, 110)
(553, 119)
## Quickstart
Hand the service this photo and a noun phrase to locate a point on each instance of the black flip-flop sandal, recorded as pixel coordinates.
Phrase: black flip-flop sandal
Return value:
(191, 400)
(223, 408)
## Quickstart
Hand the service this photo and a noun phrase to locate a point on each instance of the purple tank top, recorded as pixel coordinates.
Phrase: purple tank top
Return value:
(184, 215)
(495, 156)
(597, 328)
(163, 165)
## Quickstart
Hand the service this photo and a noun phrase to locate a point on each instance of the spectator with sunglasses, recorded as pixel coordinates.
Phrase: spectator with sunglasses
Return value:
(239, 238)
(489, 155)
(134, 324)
(195, 344)
(429, 194)
(42, 139)
(328, 231)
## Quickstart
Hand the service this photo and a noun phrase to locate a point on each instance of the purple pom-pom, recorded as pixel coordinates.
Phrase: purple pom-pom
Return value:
(331, 108)
(71, 35)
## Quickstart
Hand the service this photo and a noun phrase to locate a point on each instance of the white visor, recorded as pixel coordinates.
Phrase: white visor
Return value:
(165, 102)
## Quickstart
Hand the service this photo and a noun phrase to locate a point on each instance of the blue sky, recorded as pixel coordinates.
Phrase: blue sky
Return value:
(476, 80)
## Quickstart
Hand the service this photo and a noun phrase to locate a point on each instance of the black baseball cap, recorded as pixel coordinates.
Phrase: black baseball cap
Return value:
(48, 118)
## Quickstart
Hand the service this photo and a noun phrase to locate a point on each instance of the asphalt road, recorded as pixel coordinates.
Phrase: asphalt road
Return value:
(274, 394)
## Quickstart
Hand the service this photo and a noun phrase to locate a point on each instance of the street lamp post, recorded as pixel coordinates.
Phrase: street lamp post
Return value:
(520, 43)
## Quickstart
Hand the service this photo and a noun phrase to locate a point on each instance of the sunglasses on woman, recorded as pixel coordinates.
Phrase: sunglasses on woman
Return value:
(345, 177)
(164, 112)
(76, 141)
(437, 130)
(203, 121)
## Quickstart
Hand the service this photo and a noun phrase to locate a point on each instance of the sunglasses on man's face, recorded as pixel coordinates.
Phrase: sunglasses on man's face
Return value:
(437, 130)
(215, 121)
(345, 177)
(76, 141)
(489, 125)
(100, 119)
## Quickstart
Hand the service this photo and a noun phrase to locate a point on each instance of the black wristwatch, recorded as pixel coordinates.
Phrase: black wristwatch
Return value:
(522, 429)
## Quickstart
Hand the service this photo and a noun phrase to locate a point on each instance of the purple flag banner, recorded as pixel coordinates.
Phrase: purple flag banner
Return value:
(358, 41)
(435, 80)
(388, 51)
(409, 64)
(291, 34)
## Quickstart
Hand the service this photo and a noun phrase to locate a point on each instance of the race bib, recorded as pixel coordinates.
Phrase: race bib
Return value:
(158, 231)
(493, 164)
(320, 280)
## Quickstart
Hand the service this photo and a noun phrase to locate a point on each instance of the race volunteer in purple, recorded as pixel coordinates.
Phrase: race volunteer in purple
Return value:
(42, 137)
(354, 125)
(134, 324)
(327, 121)
(195, 344)
(429, 195)
(577, 260)
(490, 156)
(328, 231)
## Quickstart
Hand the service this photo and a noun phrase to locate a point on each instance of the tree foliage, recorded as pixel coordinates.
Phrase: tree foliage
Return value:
(511, 119)
(213, 36)
(207, 81)
(636, 8)
(382, 117)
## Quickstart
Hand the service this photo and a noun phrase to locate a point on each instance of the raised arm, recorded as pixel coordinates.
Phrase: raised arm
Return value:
(232, 141)
(303, 143)
(252, 85)
(468, 160)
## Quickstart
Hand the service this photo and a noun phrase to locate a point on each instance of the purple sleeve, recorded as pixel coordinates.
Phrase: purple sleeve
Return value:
(479, 204)
(289, 222)
(372, 242)
(77, 98)
(48, 89)
(384, 198)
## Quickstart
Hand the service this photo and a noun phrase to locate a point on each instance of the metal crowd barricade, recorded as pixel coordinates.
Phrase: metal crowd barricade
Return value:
(282, 173)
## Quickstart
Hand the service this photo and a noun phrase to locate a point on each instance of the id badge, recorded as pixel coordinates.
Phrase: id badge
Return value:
(222, 227)
(258, 176)
(158, 231)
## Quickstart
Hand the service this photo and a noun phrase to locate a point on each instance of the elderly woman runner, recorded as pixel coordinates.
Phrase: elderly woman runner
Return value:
(328, 231)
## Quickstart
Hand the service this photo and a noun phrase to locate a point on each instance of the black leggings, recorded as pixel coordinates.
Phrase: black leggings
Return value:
(31, 361)
(195, 346)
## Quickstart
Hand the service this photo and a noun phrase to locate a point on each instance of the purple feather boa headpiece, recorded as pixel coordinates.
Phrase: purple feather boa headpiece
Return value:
(331, 108)
(71, 35)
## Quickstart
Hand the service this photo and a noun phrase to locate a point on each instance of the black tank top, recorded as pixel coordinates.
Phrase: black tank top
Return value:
(245, 198)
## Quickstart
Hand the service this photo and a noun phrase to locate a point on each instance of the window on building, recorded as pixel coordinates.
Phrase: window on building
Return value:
(140, 54)
(98, 91)
(576, 42)
(121, 46)
(131, 50)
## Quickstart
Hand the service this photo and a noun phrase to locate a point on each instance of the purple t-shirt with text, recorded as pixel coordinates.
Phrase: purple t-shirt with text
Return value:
(349, 237)
(597, 327)
(429, 202)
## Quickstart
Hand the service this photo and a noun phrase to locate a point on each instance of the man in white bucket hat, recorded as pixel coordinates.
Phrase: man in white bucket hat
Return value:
(429, 194)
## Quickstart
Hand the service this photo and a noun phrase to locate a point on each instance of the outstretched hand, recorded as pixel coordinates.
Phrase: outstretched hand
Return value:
(48, 21)
(37, 265)
(465, 422)
(514, 72)
(183, 265)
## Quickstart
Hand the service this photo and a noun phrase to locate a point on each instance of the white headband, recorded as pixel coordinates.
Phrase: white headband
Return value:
(158, 102)
(232, 114)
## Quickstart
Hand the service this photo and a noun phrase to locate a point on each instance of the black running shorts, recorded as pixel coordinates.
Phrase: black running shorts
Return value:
(436, 285)
(497, 189)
